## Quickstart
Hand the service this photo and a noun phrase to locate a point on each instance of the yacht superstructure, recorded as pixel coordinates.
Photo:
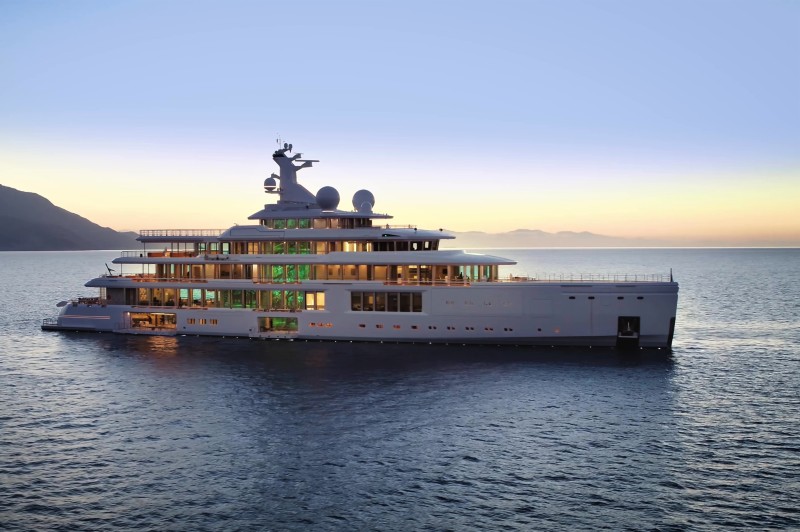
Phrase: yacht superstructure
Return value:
(309, 270)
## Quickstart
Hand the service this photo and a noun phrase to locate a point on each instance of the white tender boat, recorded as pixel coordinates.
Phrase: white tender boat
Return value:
(308, 270)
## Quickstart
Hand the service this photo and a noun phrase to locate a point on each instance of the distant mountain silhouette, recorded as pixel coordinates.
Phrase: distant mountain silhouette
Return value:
(29, 222)
(528, 238)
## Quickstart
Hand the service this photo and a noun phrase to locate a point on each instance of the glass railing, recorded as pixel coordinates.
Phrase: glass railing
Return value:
(593, 278)
(180, 232)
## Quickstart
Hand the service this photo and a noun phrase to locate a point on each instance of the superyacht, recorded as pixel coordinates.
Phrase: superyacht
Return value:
(307, 270)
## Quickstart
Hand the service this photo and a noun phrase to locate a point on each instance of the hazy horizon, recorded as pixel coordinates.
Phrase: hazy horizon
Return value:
(672, 122)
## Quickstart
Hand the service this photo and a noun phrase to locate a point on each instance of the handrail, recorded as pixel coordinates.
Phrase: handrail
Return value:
(592, 277)
(389, 226)
(553, 277)
(181, 232)
(156, 254)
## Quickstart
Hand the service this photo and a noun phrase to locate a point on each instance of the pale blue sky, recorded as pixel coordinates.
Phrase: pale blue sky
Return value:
(526, 113)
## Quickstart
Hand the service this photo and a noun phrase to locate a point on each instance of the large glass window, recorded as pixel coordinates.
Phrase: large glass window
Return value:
(369, 301)
(392, 302)
(416, 302)
(315, 300)
(355, 301)
(380, 301)
(277, 324)
(277, 300)
(278, 274)
(405, 302)
(211, 298)
(236, 299)
(386, 301)
(224, 298)
(250, 299)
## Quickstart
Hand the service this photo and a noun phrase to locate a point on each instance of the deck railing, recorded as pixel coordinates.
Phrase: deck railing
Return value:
(181, 232)
(156, 254)
(593, 278)
(552, 277)
(389, 226)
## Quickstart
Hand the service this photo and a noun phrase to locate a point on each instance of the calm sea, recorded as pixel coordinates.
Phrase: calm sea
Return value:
(99, 431)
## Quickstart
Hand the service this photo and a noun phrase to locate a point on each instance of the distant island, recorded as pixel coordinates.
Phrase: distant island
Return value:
(29, 222)
(534, 238)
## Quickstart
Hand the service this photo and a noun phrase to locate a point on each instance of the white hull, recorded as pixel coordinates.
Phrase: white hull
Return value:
(521, 313)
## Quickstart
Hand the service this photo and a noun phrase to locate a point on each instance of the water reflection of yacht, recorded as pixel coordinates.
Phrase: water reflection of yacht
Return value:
(308, 270)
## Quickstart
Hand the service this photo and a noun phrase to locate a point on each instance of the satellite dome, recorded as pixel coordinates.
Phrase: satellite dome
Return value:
(328, 198)
(270, 184)
(363, 201)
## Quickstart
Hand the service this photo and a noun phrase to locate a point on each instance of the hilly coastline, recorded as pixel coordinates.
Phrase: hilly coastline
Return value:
(30, 222)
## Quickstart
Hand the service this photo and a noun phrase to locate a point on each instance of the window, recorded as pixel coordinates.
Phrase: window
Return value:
(315, 300)
(355, 301)
(416, 302)
(277, 324)
(386, 301)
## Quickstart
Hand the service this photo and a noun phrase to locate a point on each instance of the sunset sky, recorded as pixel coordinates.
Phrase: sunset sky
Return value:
(674, 120)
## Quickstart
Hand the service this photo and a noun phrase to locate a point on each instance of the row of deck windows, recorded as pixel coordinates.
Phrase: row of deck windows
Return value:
(316, 223)
(303, 247)
(386, 301)
(291, 247)
(201, 297)
(292, 273)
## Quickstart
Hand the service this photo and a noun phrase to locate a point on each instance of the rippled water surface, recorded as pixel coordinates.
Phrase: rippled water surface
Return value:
(99, 431)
